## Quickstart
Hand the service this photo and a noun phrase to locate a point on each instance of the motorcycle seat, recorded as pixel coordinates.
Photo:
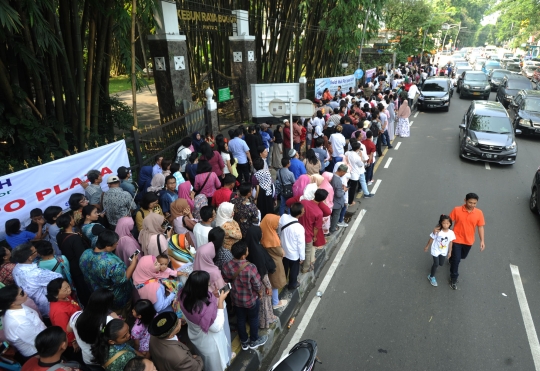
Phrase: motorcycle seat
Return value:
(295, 361)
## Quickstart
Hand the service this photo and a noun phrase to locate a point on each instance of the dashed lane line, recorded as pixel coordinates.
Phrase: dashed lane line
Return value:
(388, 163)
(410, 123)
(375, 187)
(416, 114)
(397, 146)
(487, 166)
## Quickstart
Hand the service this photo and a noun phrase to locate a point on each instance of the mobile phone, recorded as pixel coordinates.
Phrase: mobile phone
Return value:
(137, 252)
(169, 227)
(3, 347)
(225, 288)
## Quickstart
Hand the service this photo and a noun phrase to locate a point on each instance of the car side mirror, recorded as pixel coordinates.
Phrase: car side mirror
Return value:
(518, 131)
(462, 126)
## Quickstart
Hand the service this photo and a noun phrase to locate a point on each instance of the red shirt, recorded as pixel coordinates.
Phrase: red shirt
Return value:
(287, 137)
(370, 146)
(311, 219)
(220, 196)
(61, 312)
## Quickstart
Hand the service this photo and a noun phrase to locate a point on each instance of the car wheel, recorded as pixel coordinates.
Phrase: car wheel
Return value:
(533, 202)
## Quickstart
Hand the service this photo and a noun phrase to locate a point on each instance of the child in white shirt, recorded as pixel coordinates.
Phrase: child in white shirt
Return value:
(441, 245)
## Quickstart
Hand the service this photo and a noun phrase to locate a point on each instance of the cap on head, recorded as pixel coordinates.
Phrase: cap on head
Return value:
(112, 179)
(292, 153)
(163, 325)
(122, 172)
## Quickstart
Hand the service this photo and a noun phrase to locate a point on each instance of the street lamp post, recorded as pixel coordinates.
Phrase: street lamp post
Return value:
(449, 26)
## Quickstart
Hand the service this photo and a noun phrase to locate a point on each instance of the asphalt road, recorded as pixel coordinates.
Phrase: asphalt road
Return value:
(379, 311)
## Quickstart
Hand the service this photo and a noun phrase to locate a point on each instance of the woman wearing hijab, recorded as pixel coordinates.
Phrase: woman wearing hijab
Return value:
(271, 242)
(329, 200)
(151, 238)
(404, 112)
(183, 219)
(146, 280)
(196, 141)
(207, 322)
(265, 189)
(224, 220)
(265, 264)
(300, 184)
(127, 244)
(145, 178)
(277, 150)
(200, 202)
(246, 212)
(185, 191)
(157, 184)
(204, 261)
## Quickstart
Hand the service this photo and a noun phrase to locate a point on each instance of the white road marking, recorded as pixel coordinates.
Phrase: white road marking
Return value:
(416, 114)
(527, 317)
(410, 123)
(324, 284)
(388, 163)
(375, 187)
(487, 166)
(397, 146)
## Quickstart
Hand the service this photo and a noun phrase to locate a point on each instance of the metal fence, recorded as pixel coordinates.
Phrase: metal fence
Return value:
(163, 139)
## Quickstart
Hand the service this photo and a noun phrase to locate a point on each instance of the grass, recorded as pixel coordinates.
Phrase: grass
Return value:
(122, 83)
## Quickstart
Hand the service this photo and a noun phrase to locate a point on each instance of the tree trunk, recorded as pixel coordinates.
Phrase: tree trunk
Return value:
(78, 54)
(100, 55)
(145, 62)
(133, 75)
(90, 71)
(8, 92)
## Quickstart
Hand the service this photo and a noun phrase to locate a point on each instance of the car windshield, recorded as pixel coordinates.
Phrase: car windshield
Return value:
(492, 65)
(532, 104)
(476, 77)
(462, 64)
(513, 67)
(435, 86)
(490, 124)
(519, 84)
(531, 68)
(499, 75)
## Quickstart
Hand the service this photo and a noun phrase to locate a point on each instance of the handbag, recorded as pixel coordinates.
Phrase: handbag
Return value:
(286, 189)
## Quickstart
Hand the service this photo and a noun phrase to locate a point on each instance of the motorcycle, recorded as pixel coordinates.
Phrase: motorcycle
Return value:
(301, 357)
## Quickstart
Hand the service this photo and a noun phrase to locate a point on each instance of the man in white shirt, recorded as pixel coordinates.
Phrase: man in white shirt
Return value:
(413, 90)
(201, 229)
(384, 122)
(30, 278)
(338, 143)
(293, 241)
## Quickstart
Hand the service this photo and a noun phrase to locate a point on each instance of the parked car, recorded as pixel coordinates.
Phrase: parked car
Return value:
(508, 55)
(514, 67)
(486, 134)
(495, 77)
(524, 111)
(505, 61)
(478, 63)
(510, 86)
(528, 70)
(473, 83)
(435, 93)
(535, 193)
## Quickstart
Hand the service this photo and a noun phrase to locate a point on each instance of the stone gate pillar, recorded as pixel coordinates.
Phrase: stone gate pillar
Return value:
(170, 61)
(243, 64)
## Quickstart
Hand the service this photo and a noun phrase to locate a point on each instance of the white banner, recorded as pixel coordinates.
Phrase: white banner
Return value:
(52, 183)
(332, 84)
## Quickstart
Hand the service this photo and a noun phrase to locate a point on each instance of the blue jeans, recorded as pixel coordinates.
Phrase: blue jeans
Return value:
(363, 184)
(252, 314)
(342, 214)
(386, 138)
(369, 173)
(275, 296)
(283, 209)
(335, 160)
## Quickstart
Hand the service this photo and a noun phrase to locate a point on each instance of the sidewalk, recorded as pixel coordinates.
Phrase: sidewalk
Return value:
(147, 105)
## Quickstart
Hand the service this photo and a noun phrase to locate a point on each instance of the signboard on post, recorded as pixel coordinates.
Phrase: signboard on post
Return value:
(224, 94)
(332, 84)
(21, 192)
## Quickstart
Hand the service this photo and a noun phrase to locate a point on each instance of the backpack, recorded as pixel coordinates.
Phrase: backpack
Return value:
(374, 129)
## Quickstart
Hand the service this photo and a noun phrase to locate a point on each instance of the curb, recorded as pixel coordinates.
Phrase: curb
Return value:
(253, 359)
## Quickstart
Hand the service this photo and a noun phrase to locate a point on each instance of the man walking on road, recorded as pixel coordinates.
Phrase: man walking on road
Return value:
(466, 218)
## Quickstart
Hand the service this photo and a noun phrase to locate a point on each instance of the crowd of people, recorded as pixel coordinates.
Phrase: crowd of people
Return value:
(218, 230)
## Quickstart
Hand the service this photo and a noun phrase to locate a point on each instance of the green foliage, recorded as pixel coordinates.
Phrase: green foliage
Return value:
(518, 20)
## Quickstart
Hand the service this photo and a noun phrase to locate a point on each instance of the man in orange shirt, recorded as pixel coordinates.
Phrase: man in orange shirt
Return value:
(466, 218)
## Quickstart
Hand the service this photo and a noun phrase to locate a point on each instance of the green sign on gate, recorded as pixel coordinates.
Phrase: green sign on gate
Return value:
(224, 94)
